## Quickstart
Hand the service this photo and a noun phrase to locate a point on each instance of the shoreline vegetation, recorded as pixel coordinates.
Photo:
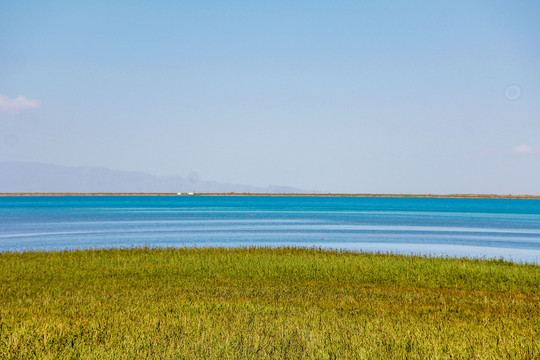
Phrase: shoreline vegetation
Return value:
(462, 196)
(264, 303)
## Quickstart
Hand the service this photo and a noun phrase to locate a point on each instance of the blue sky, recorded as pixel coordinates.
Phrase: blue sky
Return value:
(348, 96)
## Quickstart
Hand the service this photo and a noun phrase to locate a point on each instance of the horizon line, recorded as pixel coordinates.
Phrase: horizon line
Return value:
(467, 196)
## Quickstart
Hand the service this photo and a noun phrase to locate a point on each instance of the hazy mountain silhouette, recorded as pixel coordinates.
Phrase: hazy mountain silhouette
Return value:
(40, 177)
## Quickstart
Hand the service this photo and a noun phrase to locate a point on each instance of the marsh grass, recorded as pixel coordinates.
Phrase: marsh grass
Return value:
(261, 303)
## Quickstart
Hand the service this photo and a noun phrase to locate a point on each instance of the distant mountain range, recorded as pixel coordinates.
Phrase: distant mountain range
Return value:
(18, 177)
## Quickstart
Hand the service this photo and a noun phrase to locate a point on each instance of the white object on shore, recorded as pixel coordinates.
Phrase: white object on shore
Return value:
(178, 193)
(190, 193)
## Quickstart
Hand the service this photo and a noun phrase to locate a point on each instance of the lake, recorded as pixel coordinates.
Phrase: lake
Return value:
(479, 228)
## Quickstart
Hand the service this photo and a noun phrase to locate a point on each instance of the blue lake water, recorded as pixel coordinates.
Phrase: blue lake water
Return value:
(481, 228)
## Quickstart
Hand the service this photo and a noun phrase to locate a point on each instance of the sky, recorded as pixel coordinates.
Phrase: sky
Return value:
(344, 96)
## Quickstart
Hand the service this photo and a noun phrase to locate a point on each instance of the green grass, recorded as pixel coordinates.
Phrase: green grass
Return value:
(260, 303)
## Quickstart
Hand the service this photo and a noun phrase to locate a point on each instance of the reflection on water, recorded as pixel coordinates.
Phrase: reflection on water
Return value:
(484, 228)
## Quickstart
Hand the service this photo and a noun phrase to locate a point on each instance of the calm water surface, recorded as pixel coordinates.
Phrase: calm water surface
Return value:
(454, 227)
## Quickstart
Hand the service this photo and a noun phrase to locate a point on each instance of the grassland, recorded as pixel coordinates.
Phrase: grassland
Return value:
(260, 303)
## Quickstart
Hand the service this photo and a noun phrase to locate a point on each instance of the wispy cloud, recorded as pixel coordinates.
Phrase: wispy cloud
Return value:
(525, 149)
(17, 104)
